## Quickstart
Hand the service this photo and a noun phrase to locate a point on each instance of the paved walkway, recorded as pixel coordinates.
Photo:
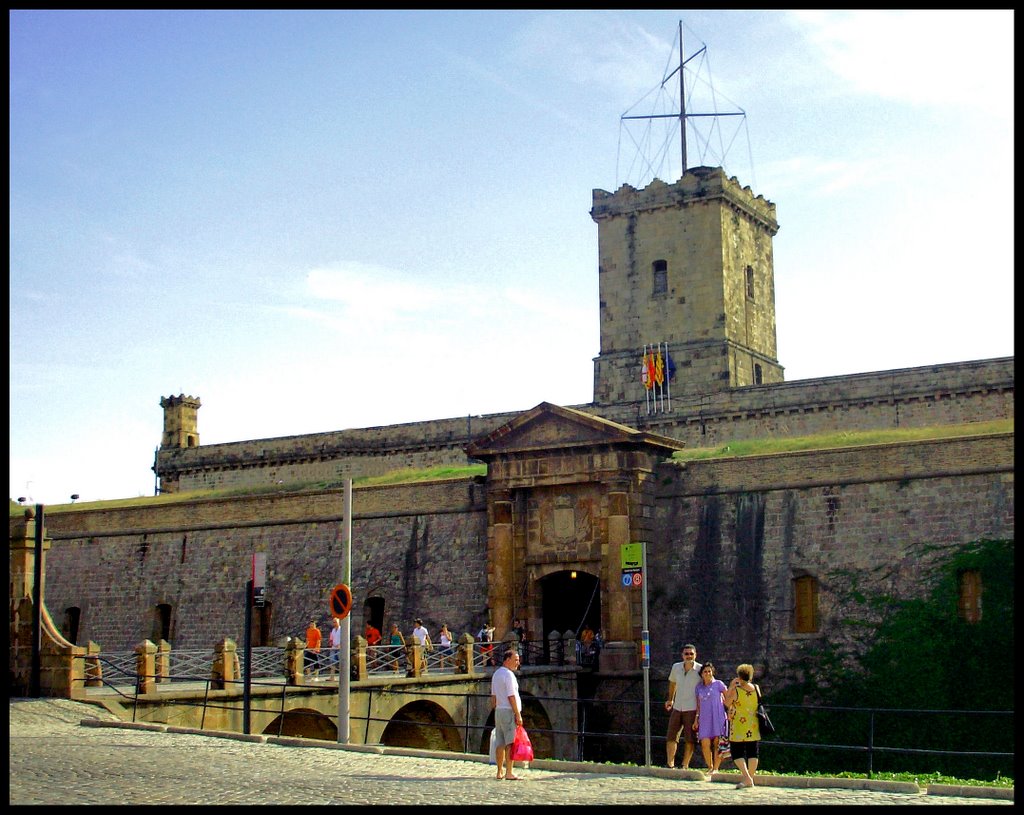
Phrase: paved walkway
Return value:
(54, 759)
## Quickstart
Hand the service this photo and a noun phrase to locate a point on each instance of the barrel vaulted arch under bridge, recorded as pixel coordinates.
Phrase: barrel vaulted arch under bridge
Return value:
(564, 490)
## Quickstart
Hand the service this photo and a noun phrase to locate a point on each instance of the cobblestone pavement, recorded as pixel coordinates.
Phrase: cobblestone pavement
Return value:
(56, 760)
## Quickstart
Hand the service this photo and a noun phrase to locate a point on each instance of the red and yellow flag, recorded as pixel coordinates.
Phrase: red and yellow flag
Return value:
(659, 370)
(646, 368)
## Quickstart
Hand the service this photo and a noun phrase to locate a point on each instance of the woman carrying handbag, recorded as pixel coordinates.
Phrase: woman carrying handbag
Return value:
(742, 699)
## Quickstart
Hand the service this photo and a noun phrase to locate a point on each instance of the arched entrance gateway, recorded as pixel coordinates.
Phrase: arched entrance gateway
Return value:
(565, 490)
(570, 599)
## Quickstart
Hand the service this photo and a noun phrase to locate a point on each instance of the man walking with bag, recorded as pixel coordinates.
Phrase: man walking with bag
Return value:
(508, 713)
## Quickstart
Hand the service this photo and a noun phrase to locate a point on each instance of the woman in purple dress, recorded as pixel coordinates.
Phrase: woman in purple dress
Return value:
(710, 723)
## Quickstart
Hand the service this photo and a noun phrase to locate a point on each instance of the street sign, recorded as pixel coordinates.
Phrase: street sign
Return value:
(630, 555)
(259, 579)
(341, 601)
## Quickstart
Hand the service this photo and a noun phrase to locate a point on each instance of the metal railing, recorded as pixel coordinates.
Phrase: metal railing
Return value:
(784, 715)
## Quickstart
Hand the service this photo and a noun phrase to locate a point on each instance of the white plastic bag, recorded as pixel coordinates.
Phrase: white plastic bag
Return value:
(494, 758)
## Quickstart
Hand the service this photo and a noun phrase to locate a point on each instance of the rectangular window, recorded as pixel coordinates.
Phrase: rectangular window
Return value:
(970, 596)
(805, 609)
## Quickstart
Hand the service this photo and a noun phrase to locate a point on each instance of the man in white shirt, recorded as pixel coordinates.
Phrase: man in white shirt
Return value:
(508, 713)
(334, 641)
(682, 706)
(422, 638)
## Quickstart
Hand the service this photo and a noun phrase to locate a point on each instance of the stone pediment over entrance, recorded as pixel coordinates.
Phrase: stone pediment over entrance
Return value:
(549, 426)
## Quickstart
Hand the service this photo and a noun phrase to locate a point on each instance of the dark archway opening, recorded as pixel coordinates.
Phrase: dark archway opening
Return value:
(570, 603)
(373, 613)
(303, 723)
(424, 725)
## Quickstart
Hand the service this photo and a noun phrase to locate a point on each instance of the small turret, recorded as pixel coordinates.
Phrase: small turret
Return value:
(181, 426)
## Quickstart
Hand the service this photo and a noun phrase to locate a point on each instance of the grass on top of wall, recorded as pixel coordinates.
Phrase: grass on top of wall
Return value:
(746, 447)
(842, 438)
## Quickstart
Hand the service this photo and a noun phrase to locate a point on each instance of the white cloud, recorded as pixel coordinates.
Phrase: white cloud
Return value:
(933, 58)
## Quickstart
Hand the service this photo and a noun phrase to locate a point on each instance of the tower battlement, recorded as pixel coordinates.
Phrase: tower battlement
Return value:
(698, 184)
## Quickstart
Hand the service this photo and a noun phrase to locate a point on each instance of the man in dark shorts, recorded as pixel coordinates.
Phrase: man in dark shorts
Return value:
(682, 706)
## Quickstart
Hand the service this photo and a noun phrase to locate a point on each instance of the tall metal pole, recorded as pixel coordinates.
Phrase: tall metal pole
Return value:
(37, 608)
(645, 635)
(682, 99)
(247, 639)
(345, 657)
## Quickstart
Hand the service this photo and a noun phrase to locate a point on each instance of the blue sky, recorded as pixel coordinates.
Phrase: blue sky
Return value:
(317, 220)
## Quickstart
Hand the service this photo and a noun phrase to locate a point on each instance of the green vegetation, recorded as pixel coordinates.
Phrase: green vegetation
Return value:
(396, 477)
(921, 779)
(848, 438)
(910, 656)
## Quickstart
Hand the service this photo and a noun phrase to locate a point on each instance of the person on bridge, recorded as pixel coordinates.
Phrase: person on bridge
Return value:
(682, 706)
(422, 637)
(397, 643)
(447, 649)
(334, 641)
(508, 713)
(313, 640)
(372, 634)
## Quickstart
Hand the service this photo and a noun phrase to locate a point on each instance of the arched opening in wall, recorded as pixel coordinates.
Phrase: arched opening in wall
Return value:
(191, 441)
(162, 622)
(304, 723)
(261, 621)
(373, 613)
(72, 617)
(758, 375)
(571, 600)
(425, 725)
(537, 723)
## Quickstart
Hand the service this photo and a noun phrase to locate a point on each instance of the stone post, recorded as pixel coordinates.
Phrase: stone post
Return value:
(293, 661)
(555, 648)
(93, 666)
(568, 645)
(417, 664)
(163, 661)
(145, 667)
(359, 646)
(224, 661)
(464, 656)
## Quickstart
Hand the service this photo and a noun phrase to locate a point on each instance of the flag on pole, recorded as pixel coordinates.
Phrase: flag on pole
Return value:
(645, 371)
(659, 369)
(651, 372)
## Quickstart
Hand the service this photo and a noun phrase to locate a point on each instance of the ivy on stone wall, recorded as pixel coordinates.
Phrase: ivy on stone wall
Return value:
(917, 653)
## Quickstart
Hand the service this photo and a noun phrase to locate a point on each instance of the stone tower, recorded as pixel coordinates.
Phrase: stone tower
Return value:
(688, 264)
(181, 425)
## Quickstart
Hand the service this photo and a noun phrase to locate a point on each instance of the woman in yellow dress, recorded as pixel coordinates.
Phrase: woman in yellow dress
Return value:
(744, 732)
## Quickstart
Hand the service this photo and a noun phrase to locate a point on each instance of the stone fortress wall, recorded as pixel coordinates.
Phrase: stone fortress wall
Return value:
(954, 393)
(422, 548)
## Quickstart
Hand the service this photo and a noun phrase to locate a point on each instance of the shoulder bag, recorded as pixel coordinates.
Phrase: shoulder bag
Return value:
(762, 715)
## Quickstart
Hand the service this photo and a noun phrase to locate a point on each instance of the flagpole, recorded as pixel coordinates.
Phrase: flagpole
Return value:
(668, 379)
(643, 380)
(664, 373)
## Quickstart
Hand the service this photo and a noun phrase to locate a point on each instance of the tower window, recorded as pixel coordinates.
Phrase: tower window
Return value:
(758, 376)
(750, 282)
(805, 605)
(970, 596)
(660, 277)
